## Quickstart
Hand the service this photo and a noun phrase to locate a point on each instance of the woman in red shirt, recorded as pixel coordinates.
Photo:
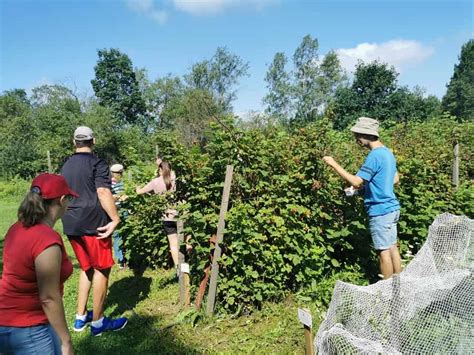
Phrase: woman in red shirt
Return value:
(35, 266)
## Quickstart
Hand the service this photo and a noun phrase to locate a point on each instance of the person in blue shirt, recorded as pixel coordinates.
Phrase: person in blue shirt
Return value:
(376, 177)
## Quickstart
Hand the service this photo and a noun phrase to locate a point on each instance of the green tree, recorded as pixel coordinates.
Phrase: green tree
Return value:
(369, 94)
(374, 83)
(18, 149)
(315, 82)
(375, 93)
(412, 105)
(459, 98)
(306, 86)
(219, 76)
(56, 113)
(158, 95)
(116, 86)
(331, 77)
(13, 103)
(106, 129)
(200, 76)
(278, 99)
(192, 114)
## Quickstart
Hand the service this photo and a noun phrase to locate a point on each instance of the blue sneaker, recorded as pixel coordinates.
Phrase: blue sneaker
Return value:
(80, 325)
(109, 324)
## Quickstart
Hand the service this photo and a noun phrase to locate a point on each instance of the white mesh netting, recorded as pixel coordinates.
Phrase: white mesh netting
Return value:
(427, 309)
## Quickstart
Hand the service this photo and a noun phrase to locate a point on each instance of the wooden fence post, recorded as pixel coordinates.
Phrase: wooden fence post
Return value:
(305, 318)
(456, 165)
(211, 298)
(183, 269)
(48, 155)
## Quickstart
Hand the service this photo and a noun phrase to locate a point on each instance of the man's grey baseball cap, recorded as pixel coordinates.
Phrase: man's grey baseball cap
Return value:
(83, 133)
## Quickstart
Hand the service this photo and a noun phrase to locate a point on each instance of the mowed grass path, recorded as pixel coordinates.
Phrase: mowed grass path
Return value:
(158, 325)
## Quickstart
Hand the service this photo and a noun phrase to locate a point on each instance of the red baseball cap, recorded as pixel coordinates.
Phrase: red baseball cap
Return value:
(50, 186)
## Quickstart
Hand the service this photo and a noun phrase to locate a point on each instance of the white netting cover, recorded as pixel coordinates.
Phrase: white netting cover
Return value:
(427, 309)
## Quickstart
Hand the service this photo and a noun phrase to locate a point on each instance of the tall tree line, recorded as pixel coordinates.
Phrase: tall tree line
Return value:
(317, 87)
(129, 107)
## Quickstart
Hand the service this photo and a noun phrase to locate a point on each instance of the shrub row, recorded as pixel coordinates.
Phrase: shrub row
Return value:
(289, 225)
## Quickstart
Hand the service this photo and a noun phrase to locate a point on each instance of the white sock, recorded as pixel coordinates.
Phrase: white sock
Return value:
(97, 323)
(81, 317)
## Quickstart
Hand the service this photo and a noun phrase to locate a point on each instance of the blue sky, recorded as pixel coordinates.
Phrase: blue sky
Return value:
(46, 41)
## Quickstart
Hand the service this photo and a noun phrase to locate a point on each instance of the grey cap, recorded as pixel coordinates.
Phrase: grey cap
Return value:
(366, 125)
(116, 168)
(83, 133)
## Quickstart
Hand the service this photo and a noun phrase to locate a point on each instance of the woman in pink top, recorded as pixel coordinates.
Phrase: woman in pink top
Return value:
(166, 181)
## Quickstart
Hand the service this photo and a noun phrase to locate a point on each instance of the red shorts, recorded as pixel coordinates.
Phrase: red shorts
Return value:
(92, 252)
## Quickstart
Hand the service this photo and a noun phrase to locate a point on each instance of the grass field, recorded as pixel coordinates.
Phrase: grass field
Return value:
(158, 325)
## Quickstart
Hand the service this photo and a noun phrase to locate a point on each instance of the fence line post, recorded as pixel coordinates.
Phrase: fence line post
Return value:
(211, 298)
(456, 165)
(183, 269)
(304, 316)
(48, 155)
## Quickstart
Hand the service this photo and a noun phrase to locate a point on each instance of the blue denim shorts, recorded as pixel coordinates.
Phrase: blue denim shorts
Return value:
(39, 339)
(383, 230)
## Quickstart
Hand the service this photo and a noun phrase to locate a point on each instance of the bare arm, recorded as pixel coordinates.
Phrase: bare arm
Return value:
(141, 190)
(48, 269)
(108, 204)
(145, 189)
(354, 180)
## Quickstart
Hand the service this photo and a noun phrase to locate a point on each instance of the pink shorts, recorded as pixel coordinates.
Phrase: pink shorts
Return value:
(92, 252)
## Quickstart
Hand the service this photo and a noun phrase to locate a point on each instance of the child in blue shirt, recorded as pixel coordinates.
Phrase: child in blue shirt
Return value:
(377, 176)
(118, 191)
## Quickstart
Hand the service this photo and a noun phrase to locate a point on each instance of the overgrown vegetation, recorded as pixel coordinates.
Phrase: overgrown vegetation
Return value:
(289, 228)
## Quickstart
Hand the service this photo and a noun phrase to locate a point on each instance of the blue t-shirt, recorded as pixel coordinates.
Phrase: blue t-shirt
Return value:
(379, 171)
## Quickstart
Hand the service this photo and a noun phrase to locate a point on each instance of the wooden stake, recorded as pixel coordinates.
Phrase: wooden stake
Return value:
(304, 315)
(183, 269)
(48, 155)
(308, 339)
(211, 298)
(456, 165)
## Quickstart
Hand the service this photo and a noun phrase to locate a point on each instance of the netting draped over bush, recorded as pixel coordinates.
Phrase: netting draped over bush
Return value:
(427, 309)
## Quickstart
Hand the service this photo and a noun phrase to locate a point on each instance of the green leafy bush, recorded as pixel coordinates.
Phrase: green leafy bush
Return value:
(289, 226)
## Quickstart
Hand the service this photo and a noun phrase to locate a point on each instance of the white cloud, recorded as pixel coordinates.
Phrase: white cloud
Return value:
(399, 53)
(147, 8)
(140, 5)
(210, 7)
(193, 7)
